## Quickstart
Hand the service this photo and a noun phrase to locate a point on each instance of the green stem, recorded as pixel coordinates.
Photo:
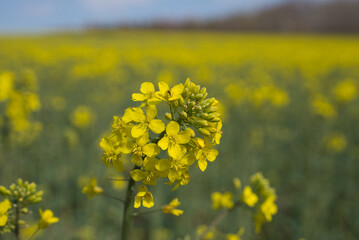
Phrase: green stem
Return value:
(147, 212)
(113, 197)
(17, 219)
(127, 215)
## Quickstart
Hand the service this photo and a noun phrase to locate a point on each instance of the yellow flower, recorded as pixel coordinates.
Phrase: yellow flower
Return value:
(231, 236)
(218, 133)
(323, 107)
(337, 142)
(140, 148)
(46, 219)
(147, 94)
(145, 122)
(167, 94)
(174, 140)
(4, 207)
(345, 91)
(201, 229)
(205, 152)
(145, 197)
(82, 117)
(268, 208)
(237, 183)
(220, 200)
(249, 197)
(92, 189)
(6, 85)
(171, 208)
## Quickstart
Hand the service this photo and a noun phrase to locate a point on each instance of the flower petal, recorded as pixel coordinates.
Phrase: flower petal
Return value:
(151, 112)
(147, 88)
(151, 150)
(163, 87)
(157, 126)
(138, 130)
(172, 128)
(163, 143)
(138, 97)
(183, 137)
(176, 151)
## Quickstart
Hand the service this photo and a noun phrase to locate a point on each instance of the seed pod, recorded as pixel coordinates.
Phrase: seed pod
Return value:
(168, 116)
(204, 132)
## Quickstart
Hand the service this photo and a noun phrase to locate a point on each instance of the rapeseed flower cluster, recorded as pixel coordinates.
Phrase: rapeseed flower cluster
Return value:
(167, 147)
(19, 99)
(19, 197)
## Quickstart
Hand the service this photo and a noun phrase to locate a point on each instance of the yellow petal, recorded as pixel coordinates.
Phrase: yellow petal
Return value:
(154, 101)
(148, 200)
(151, 150)
(176, 92)
(137, 115)
(157, 126)
(163, 165)
(212, 154)
(138, 175)
(147, 88)
(172, 128)
(176, 151)
(163, 143)
(151, 112)
(143, 140)
(175, 202)
(183, 137)
(202, 164)
(136, 159)
(3, 220)
(163, 87)
(138, 97)
(4, 206)
(137, 202)
(138, 130)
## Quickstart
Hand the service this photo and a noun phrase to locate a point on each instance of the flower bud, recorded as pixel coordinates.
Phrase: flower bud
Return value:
(203, 91)
(199, 96)
(196, 89)
(204, 131)
(184, 114)
(216, 119)
(24, 210)
(181, 101)
(201, 122)
(168, 116)
(197, 108)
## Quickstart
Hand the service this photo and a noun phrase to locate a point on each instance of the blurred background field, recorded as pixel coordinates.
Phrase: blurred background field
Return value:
(290, 106)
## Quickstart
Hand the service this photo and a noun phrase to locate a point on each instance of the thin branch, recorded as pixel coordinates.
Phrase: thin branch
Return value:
(113, 197)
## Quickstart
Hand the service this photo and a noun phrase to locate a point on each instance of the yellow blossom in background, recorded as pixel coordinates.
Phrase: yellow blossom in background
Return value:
(337, 142)
(171, 208)
(249, 197)
(345, 91)
(323, 107)
(46, 219)
(6, 85)
(82, 117)
(92, 189)
(145, 197)
(220, 200)
(58, 103)
(237, 183)
(269, 208)
(201, 229)
(4, 207)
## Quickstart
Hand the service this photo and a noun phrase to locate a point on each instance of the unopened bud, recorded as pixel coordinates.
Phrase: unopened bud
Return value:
(204, 131)
(199, 96)
(168, 116)
(184, 114)
(202, 122)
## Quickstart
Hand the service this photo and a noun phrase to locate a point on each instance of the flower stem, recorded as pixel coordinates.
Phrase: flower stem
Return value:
(127, 215)
(17, 219)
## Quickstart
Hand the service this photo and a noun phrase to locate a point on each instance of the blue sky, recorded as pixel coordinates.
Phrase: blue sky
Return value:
(40, 15)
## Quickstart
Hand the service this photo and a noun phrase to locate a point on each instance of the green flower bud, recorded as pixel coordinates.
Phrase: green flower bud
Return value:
(212, 129)
(204, 131)
(197, 108)
(204, 116)
(3, 191)
(168, 116)
(181, 101)
(199, 96)
(203, 91)
(201, 122)
(216, 119)
(196, 89)
(24, 210)
(184, 114)
(19, 182)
